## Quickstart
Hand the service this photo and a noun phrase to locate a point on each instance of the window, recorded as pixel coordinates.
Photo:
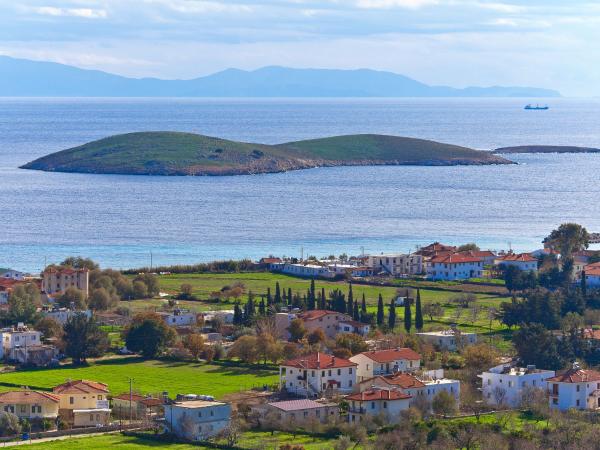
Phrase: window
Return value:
(372, 405)
(385, 404)
(305, 413)
(212, 413)
(71, 400)
(329, 372)
(23, 408)
(99, 397)
(91, 417)
(350, 370)
(199, 413)
(577, 402)
(339, 371)
(578, 387)
(350, 383)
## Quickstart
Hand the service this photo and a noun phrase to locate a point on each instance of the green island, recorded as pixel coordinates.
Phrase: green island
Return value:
(177, 153)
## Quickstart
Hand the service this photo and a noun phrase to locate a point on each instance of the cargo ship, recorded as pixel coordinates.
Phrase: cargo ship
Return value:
(537, 107)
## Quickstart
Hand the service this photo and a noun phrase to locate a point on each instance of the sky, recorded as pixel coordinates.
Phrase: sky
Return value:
(551, 43)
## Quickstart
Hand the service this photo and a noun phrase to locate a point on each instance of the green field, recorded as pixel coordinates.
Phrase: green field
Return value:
(151, 377)
(249, 440)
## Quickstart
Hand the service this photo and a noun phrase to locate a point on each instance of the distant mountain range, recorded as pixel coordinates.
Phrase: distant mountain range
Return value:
(25, 78)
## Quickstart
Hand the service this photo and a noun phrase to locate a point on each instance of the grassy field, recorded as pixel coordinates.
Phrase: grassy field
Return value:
(149, 377)
(249, 440)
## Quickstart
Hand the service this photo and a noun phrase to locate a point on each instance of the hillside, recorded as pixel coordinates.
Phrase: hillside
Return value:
(22, 77)
(175, 153)
(546, 149)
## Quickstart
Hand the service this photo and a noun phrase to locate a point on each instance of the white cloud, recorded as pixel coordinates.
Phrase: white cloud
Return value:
(388, 4)
(87, 13)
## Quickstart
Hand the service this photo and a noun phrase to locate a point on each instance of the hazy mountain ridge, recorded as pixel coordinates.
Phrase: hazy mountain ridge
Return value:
(22, 77)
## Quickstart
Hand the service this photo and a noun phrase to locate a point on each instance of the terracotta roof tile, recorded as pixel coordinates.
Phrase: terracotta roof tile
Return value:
(28, 397)
(319, 361)
(80, 386)
(520, 257)
(378, 394)
(576, 376)
(295, 405)
(402, 380)
(396, 354)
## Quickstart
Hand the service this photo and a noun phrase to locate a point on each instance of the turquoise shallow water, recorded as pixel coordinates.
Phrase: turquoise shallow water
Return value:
(119, 220)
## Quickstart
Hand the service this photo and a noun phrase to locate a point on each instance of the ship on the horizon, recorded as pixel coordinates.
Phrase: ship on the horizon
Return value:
(537, 107)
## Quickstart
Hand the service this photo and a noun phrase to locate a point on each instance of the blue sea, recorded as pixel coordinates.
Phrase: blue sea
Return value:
(121, 220)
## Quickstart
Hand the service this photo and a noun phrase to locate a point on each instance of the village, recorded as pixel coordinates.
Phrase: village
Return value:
(367, 343)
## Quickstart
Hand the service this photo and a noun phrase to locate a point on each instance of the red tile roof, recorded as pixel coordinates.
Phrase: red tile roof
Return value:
(147, 401)
(28, 397)
(319, 361)
(81, 387)
(295, 405)
(355, 323)
(65, 270)
(270, 260)
(402, 380)
(520, 257)
(576, 376)
(383, 356)
(454, 259)
(378, 394)
(478, 253)
(437, 247)
(318, 313)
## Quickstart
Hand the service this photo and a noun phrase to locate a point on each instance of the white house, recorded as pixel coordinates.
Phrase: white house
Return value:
(178, 318)
(30, 405)
(454, 267)
(225, 315)
(352, 326)
(397, 263)
(385, 362)
(317, 374)
(576, 388)
(349, 269)
(13, 275)
(299, 412)
(373, 402)
(505, 385)
(62, 315)
(450, 339)
(522, 261)
(16, 338)
(303, 270)
(487, 256)
(197, 420)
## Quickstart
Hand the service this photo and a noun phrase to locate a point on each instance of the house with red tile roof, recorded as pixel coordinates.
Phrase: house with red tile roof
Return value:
(426, 385)
(454, 267)
(317, 374)
(436, 248)
(26, 404)
(487, 256)
(353, 326)
(83, 403)
(299, 412)
(385, 362)
(522, 261)
(56, 280)
(576, 388)
(374, 402)
(136, 406)
(319, 319)
(592, 275)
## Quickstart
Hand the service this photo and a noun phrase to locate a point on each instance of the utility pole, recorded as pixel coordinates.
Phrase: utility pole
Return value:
(150, 261)
(130, 399)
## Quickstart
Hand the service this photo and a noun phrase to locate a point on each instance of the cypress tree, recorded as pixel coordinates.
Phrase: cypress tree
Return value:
(355, 314)
(380, 312)
(277, 293)
(261, 307)
(312, 295)
(323, 299)
(269, 298)
(237, 314)
(350, 307)
(407, 316)
(392, 316)
(418, 312)
(290, 299)
(363, 309)
(583, 284)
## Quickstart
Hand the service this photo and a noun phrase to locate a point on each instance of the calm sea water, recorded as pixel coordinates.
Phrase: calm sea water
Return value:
(120, 220)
